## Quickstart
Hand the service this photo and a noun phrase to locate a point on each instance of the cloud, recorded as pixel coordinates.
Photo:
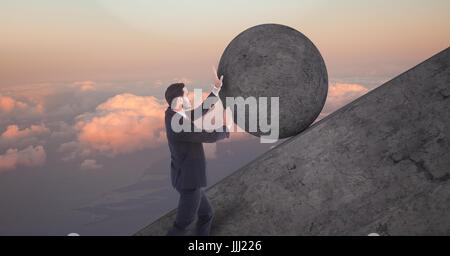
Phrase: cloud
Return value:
(125, 123)
(86, 86)
(73, 149)
(340, 94)
(90, 164)
(13, 136)
(13, 132)
(9, 104)
(28, 157)
(62, 130)
(12, 108)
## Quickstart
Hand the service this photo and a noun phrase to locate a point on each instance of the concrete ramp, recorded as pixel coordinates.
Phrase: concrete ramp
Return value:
(379, 164)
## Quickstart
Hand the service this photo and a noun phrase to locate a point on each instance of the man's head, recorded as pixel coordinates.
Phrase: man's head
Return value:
(176, 96)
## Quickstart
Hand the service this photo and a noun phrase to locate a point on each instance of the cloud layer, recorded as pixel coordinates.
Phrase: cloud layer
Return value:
(123, 124)
(28, 157)
(9, 104)
(85, 86)
(14, 133)
(340, 94)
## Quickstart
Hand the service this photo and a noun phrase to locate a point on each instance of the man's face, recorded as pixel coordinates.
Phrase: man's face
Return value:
(181, 102)
(186, 102)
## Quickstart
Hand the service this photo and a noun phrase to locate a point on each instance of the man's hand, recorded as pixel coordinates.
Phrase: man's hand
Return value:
(217, 81)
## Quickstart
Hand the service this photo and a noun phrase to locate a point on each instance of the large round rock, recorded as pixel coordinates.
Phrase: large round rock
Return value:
(273, 60)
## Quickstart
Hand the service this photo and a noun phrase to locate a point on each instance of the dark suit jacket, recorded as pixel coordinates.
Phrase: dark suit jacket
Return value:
(188, 167)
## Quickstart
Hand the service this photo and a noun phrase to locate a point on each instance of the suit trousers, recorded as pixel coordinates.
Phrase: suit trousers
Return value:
(192, 202)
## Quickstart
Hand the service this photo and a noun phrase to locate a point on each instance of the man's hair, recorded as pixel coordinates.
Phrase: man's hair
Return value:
(173, 91)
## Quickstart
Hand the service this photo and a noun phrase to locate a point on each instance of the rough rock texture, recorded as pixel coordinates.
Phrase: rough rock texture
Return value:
(380, 164)
(272, 60)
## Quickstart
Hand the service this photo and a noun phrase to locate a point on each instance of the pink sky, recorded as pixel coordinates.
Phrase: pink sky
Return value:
(159, 40)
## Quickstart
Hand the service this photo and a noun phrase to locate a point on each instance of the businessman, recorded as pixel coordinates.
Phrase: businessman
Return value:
(188, 167)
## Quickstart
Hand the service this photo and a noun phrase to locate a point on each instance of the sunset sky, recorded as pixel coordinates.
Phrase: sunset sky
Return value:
(59, 41)
(82, 140)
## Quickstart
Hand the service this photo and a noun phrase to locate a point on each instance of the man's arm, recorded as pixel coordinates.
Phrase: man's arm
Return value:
(212, 98)
(202, 137)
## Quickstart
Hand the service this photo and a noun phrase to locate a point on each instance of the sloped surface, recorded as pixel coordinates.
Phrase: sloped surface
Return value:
(380, 164)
